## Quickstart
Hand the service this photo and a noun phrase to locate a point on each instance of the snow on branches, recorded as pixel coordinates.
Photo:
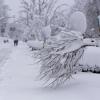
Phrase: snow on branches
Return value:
(60, 56)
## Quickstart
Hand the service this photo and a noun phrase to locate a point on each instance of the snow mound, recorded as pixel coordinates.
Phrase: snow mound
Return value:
(91, 56)
(35, 44)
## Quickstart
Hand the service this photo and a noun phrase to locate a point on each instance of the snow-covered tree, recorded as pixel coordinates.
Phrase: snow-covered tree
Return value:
(37, 8)
(60, 19)
(61, 54)
(36, 14)
(58, 22)
(59, 58)
(40, 14)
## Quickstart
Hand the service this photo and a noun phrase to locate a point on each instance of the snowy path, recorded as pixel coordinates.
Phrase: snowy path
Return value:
(19, 81)
(17, 74)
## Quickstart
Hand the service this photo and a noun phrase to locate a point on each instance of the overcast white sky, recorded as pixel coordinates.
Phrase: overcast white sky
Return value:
(15, 5)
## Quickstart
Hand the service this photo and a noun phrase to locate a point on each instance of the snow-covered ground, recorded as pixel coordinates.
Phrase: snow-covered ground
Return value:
(19, 79)
(5, 50)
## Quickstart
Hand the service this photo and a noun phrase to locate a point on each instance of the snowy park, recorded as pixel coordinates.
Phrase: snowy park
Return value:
(19, 78)
(49, 50)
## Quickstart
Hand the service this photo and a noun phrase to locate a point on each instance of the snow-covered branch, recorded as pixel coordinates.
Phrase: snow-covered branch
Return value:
(60, 56)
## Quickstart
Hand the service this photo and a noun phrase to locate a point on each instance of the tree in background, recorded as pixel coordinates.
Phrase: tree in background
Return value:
(3, 17)
(15, 30)
(59, 20)
(91, 9)
(37, 8)
(36, 15)
(39, 15)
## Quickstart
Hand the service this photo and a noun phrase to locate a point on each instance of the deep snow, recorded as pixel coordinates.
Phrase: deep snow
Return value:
(19, 80)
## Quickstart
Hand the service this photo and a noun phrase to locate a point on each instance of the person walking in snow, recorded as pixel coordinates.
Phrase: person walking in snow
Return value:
(16, 42)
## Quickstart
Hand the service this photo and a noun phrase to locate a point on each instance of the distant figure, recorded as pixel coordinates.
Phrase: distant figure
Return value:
(16, 42)
(25, 40)
(6, 41)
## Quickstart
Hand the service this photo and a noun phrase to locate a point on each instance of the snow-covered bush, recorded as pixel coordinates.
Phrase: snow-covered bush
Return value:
(35, 45)
(96, 69)
(88, 68)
